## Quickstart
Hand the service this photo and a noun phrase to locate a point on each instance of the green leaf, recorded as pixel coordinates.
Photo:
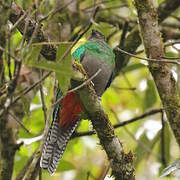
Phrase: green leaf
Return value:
(62, 69)
(64, 79)
(50, 66)
(150, 95)
(65, 166)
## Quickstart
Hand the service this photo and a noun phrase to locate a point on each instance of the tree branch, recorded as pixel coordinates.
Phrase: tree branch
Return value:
(121, 163)
(161, 72)
(8, 145)
(121, 124)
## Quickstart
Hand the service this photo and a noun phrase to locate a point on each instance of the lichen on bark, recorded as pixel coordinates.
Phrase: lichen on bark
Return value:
(161, 72)
(121, 163)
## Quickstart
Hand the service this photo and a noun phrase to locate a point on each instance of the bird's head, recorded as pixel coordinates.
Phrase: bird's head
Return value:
(95, 34)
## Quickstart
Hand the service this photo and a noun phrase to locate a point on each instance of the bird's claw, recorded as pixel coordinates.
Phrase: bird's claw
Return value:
(80, 67)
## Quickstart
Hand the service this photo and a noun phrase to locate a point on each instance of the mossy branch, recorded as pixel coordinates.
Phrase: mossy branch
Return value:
(161, 72)
(7, 135)
(121, 163)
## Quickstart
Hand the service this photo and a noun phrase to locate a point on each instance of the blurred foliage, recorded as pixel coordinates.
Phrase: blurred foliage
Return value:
(83, 154)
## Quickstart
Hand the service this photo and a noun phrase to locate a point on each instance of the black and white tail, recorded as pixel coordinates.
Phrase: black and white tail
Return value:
(55, 145)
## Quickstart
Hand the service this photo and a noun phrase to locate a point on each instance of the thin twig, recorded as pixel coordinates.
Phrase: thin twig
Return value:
(177, 58)
(143, 145)
(148, 113)
(44, 108)
(129, 84)
(9, 53)
(107, 8)
(123, 88)
(26, 166)
(33, 34)
(85, 82)
(54, 11)
(31, 87)
(124, 32)
(20, 123)
(46, 128)
(80, 86)
(25, 29)
(13, 82)
(9, 50)
(121, 124)
(111, 34)
(149, 59)
(96, 4)
(166, 44)
(140, 143)
(51, 43)
(19, 21)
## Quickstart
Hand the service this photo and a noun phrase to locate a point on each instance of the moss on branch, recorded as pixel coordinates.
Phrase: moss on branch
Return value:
(161, 72)
(121, 163)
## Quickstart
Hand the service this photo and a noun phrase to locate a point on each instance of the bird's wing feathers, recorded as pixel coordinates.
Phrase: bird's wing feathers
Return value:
(92, 64)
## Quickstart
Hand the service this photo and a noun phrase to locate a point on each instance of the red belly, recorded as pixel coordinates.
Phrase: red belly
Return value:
(70, 110)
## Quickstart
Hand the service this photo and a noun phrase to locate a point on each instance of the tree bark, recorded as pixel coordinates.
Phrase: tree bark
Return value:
(121, 163)
(161, 72)
(7, 139)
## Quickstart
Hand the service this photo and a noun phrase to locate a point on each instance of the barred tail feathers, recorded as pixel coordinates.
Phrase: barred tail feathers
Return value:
(55, 145)
(65, 121)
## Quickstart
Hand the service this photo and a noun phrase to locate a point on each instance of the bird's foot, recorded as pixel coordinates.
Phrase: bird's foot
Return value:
(79, 66)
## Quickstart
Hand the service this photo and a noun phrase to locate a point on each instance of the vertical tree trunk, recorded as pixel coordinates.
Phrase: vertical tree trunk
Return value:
(161, 72)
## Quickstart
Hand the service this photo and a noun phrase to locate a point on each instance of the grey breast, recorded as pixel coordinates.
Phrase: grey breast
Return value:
(91, 64)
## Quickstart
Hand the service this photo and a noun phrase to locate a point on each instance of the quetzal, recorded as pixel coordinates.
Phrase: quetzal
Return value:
(94, 54)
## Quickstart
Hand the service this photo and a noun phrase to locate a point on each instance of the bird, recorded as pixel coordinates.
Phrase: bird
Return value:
(95, 54)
